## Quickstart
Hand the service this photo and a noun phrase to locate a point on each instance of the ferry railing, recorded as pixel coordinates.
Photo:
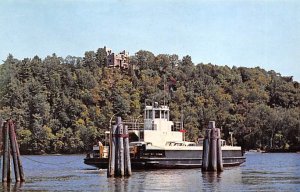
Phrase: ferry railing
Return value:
(134, 126)
(138, 126)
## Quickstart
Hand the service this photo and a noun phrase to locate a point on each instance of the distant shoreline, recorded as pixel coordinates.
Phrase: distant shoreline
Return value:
(274, 151)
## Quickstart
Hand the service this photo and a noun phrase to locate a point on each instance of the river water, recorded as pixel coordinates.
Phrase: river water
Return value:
(261, 172)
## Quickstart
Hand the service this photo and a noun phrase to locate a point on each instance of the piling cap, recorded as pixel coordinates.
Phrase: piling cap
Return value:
(211, 124)
(119, 120)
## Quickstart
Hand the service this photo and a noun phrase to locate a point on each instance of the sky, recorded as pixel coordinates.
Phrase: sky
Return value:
(249, 33)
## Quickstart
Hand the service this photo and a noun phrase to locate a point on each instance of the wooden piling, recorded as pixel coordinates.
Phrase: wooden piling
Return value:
(22, 175)
(120, 170)
(212, 164)
(219, 152)
(8, 164)
(1, 136)
(10, 147)
(5, 153)
(119, 154)
(212, 153)
(1, 139)
(19, 161)
(14, 151)
(205, 152)
(127, 152)
(112, 152)
(212, 124)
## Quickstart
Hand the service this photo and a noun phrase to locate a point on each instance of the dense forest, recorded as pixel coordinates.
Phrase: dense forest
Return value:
(64, 105)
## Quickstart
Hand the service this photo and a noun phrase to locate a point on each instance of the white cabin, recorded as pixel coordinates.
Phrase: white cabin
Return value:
(158, 129)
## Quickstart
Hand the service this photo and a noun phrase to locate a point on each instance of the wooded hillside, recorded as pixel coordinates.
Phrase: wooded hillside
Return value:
(64, 105)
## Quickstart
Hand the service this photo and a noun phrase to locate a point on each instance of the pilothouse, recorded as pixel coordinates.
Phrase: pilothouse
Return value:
(158, 128)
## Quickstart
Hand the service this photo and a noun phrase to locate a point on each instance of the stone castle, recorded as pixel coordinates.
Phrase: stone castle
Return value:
(120, 60)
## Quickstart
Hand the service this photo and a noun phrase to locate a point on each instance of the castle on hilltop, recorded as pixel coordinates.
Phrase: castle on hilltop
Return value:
(120, 60)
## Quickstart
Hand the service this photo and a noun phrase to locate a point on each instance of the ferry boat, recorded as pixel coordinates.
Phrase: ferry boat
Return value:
(160, 143)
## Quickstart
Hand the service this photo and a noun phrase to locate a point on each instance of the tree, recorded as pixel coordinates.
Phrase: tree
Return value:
(64, 105)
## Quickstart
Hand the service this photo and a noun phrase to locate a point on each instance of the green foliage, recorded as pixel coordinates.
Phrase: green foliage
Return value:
(65, 105)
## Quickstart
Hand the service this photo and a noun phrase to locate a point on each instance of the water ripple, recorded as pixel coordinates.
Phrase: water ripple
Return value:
(261, 172)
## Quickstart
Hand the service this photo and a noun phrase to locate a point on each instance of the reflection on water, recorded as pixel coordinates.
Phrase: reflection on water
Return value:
(12, 186)
(261, 172)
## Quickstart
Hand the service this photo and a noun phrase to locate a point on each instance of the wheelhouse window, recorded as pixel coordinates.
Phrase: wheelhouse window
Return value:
(149, 114)
(166, 114)
(162, 114)
(157, 114)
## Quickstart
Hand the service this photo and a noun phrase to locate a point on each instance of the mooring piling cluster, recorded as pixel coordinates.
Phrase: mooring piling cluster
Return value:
(212, 153)
(10, 148)
(119, 154)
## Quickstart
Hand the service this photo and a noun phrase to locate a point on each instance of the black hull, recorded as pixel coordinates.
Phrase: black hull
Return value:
(171, 159)
(164, 163)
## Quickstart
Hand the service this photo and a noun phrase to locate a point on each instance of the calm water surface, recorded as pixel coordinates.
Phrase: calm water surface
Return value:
(261, 172)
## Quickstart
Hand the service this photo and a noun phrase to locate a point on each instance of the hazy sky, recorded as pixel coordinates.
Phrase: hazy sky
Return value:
(238, 32)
